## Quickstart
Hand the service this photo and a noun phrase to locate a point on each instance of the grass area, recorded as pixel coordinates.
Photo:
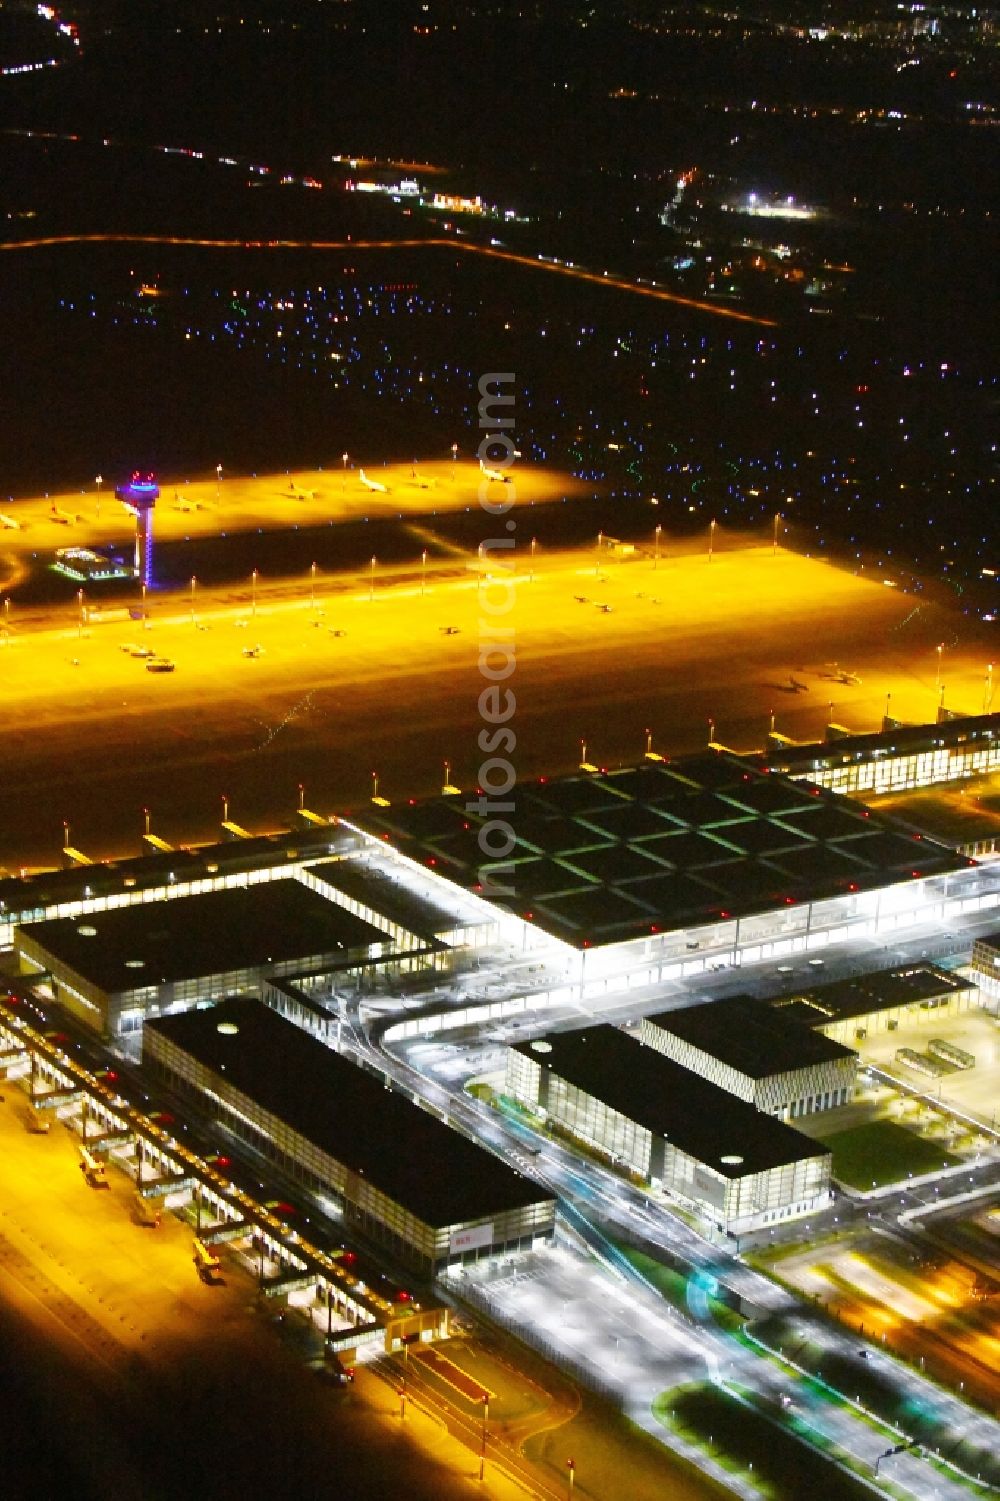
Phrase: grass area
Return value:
(615, 1459)
(747, 1443)
(881, 1153)
(680, 1290)
(510, 1106)
(766, 1257)
(482, 1092)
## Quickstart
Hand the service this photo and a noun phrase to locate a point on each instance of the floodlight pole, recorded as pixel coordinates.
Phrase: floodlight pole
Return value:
(486, 1417)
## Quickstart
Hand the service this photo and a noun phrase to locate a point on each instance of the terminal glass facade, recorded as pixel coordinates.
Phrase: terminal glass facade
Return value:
(428, 1248)
(733, 1202)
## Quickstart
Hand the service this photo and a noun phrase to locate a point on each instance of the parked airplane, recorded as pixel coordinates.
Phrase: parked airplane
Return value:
(372, 484)
(840, 674)
(497, 474)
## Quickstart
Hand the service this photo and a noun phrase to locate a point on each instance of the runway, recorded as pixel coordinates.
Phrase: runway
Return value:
(355, 677)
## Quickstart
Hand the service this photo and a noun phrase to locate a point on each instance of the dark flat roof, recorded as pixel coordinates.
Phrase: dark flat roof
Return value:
(181, 938)
(749, 1036)
(883, 990)
(398, 903)
(949, 815)
(439, 1175)
(28, 894)
(699, 1118)
(664, 845)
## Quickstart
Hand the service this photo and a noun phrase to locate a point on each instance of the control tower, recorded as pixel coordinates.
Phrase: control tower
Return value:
(140, 496)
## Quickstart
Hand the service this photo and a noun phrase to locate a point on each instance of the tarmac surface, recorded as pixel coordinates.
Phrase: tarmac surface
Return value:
(122, 1375)
(200, 508)
(382, 671)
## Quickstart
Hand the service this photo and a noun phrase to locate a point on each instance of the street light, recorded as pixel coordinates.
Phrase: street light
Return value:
(312, 586)
(531, 572)
(656, 546)
(423, 573)
(571, 1473)
(454, 461)
(937, 676)
(485, 1399)
(194, 585)
(345, 457)
(777, 518)
(711, 539)
(80, 618)
(218, 482)
(371, 583)
(98, 481)
(253, 594)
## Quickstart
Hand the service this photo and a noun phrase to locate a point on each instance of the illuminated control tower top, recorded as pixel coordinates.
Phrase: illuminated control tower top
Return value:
(139, 496)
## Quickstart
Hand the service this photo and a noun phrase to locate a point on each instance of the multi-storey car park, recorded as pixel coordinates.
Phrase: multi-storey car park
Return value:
(408, 1181)
(744, 1047)
(737, 1167)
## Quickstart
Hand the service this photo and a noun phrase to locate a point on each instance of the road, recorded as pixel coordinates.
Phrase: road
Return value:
(602, 1205)
(469, 247)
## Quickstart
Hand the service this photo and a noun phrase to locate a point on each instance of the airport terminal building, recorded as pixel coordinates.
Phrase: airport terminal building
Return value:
(898, 758)
(667, 869)
(114, 968)
(622, 880)
(746, 1048)
(407, 1180)
(740, 1169)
